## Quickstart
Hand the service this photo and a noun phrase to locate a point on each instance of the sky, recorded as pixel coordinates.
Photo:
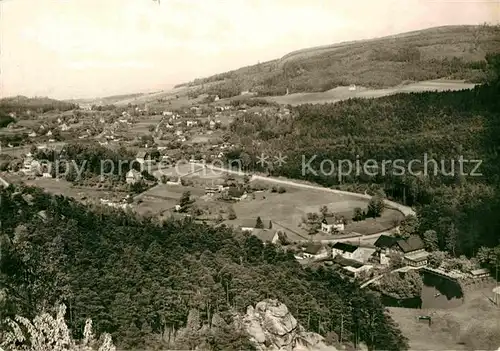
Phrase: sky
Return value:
(89, 48)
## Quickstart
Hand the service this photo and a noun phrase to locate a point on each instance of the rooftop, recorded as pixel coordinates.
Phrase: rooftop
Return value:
(265, 234)
(329, 220)
(345, 247)
(480, 271)
(385, 241)
(313, 248)
(413, 243)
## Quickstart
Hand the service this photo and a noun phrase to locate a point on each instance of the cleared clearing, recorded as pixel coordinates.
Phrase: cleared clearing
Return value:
(343, 93)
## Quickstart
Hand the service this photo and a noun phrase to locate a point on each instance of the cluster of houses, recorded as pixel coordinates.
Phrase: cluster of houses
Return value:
(31, 166)
(355, 259)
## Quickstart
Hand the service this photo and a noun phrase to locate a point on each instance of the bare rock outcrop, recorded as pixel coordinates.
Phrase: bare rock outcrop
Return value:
(271, 327)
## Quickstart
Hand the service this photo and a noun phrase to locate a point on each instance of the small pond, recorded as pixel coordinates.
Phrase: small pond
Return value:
(437, 293)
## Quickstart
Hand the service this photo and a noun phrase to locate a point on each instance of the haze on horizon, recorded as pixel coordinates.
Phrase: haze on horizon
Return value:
(89, 48)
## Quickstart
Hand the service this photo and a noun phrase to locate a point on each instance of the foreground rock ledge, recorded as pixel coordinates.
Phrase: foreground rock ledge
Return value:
(271, 327)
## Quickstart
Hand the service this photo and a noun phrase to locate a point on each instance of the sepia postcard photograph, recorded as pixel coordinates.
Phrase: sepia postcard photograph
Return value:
(233, 175)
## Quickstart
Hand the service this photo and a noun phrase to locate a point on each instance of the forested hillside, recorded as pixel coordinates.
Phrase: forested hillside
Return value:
(462, 209)
(23, 104)
(139, 280)
(453, 52)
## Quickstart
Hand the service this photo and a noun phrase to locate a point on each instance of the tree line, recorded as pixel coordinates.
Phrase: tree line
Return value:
(441, 126)
(139, 279)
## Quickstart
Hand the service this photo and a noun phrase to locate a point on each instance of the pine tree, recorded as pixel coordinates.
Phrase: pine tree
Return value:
(259, 224)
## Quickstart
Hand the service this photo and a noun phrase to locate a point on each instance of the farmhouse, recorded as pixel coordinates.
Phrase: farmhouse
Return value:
(348, 251)
(330, 224)
(133, 177)
(249, 225)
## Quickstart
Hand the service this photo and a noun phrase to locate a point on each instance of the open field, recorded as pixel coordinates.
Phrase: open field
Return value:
(162, 197)
(62, 187)
(473, 325)
(343, 93)
(288, 210)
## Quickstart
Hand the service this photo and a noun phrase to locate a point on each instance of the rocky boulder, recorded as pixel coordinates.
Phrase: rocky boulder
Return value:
(271, 327)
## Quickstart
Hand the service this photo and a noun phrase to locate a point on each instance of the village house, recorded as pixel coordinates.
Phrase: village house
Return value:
(30, 165)
(351, 252)
(386, 244)
(212, 190)
(330, 225)
(412, 249)
(351, 267)
(234, 193)
(174, 180)
(32, 134)
(249, 225)
(133, 177)
(480, 273)
(315, 251)
(266, 235)
(49, 133)
(352, 87)
(141, 157)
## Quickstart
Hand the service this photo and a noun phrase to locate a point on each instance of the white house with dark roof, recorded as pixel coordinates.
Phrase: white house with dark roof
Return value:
(330, 224)
(133, 177)
(348, 251)
(315, 251)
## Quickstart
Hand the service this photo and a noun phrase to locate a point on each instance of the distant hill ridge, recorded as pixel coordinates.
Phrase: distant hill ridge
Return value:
(452, 52)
